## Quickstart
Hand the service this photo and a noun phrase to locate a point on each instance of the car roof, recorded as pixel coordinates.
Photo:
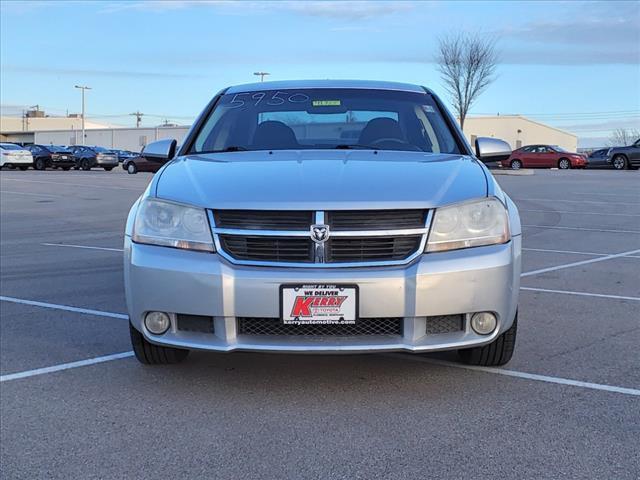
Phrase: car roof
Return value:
(301, 84)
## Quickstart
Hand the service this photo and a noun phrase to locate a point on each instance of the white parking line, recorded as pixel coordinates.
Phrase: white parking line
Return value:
(116, 356)
(577, 264)
(30, 194)
(581, 294)
(64, 366)
(555, 227)
(82, 246)
(67, 308)
(636, 195)
(582, 213)
(564, 200)
(75, 184)
(528, 376)
(593, 254)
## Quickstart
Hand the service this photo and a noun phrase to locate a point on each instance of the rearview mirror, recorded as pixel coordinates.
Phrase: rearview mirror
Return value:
(492, 149)
(160, 151)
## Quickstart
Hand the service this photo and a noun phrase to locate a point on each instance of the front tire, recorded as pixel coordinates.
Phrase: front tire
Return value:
(619, 162)
(66, 168)
(108, 169)
(150, 354)
(516, 164)
(85, 165)
(497, 353)
(39, 164)
(564, 164)
(131, 168)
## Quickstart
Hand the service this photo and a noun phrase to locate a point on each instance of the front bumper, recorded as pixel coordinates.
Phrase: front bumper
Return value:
(447, 283)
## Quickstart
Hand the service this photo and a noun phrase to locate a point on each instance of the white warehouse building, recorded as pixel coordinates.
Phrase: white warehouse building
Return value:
(516, 130)
(132, 139)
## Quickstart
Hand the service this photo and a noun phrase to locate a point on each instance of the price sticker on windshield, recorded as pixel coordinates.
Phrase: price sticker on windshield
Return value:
(326, 103)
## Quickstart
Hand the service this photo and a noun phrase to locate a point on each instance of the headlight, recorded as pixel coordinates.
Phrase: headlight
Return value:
(471, 224)
(159, 222)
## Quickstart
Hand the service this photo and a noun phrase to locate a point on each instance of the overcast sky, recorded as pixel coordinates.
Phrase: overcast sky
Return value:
(575, 65)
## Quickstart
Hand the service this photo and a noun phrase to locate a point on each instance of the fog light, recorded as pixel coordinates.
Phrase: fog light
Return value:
(483, 322)
(157, 322)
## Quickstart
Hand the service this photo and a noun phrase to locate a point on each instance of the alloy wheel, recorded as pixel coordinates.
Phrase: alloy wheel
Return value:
(619, 163)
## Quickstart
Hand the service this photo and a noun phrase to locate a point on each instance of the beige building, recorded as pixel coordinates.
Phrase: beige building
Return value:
(23, 129)
(518, 131)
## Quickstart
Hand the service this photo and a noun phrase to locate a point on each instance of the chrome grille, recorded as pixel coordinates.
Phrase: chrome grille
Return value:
(296, 238)
(274, 249)
(264, 219)
(364, 249)
(346, 220)
(364, 326)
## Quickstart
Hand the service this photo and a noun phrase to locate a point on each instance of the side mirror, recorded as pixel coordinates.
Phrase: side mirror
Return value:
(160, 151)
(492, 149)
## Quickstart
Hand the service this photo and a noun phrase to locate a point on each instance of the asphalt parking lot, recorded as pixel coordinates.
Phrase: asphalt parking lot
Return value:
(74, 404)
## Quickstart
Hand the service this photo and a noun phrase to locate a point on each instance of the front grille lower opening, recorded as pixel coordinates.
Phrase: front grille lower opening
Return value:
(363, 327)
(444, 324)
(195, 323)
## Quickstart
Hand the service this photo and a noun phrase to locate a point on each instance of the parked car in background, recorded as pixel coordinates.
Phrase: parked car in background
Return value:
(12, 155)
(544, 156)
(599, 158)
(140, 164)
(51, 156)
(124, 155)
(622, 158)
(89, 157)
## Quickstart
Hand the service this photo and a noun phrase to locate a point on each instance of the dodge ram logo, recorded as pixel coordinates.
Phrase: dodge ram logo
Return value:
(319, 233)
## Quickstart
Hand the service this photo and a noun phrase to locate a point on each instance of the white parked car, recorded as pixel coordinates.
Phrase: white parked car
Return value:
(15, 156)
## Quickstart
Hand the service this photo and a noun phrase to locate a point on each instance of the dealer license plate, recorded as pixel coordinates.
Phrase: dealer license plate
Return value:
(319, 304)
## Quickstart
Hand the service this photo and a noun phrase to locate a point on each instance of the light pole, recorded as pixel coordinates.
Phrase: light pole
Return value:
(261, 75)
(83, 88)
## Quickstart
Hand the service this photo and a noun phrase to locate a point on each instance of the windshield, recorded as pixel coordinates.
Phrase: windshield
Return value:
(100, 150)
(10, 146)
(325, 119)
(559, 149)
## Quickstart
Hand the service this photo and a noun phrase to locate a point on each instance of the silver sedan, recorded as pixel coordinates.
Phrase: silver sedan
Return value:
(324, 217)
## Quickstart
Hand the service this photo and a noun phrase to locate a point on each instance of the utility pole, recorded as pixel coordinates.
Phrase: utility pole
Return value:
(83, 88)
(261, 75)
(138, 116)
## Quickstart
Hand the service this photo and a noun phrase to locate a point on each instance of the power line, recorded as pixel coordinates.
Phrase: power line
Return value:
(138, 116)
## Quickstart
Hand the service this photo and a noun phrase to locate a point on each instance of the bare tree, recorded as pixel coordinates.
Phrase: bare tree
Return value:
(623, 137)
(467, 64)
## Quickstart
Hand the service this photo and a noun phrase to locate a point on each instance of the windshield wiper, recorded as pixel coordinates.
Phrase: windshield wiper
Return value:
(354, 146)
(233, 148)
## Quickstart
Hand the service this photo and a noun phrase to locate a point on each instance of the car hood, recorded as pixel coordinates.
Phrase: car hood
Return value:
(318, 180)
